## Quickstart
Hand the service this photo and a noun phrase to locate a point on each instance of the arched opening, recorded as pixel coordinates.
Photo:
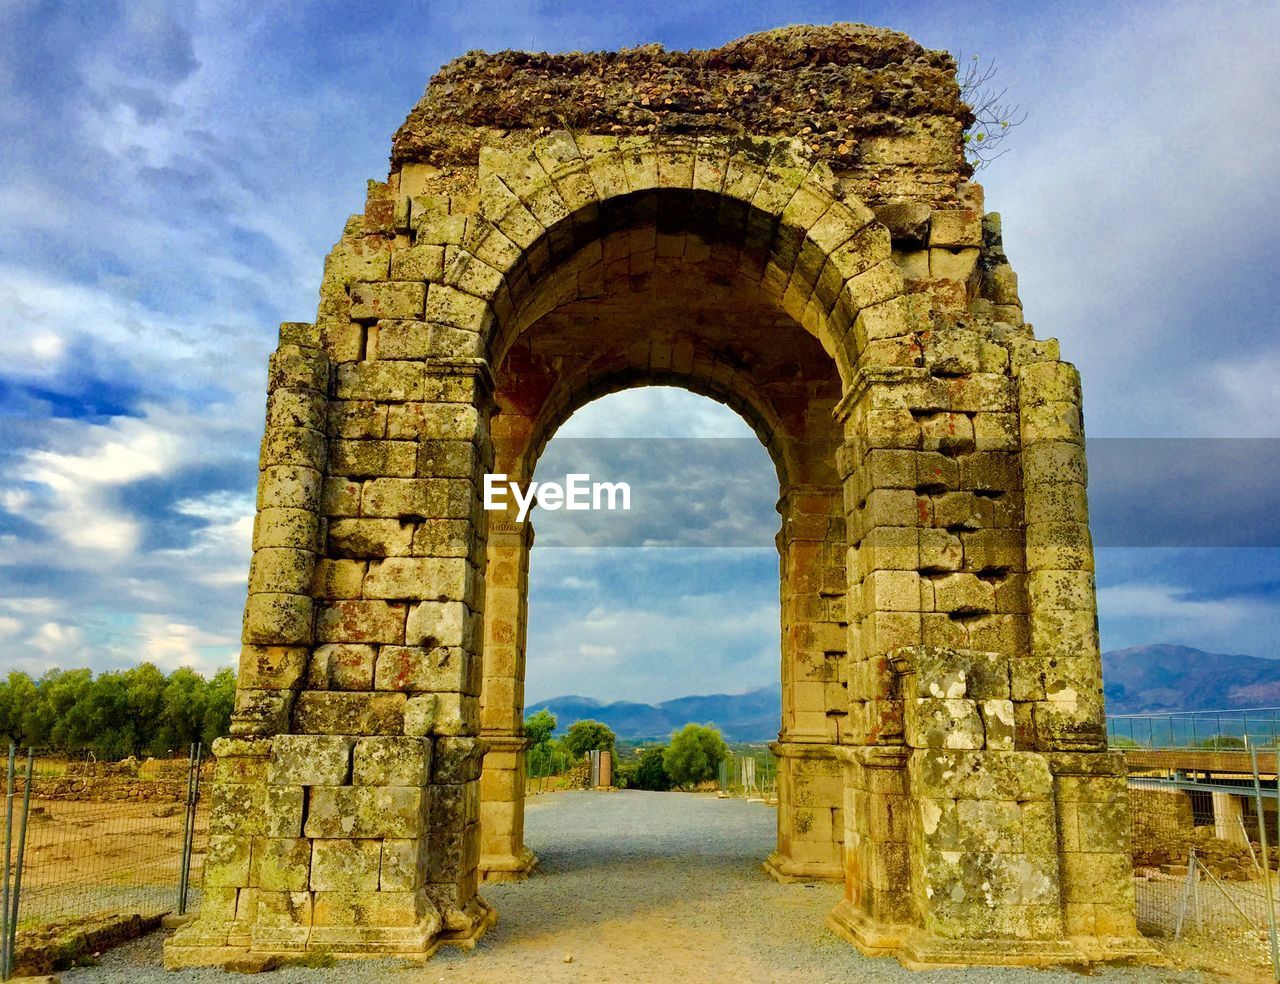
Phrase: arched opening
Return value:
(675, 291)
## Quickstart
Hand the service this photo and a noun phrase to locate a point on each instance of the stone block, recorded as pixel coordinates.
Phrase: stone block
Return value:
(1059, 546)
(282, 864)
(361, 621)
(346, 865)
(455, 805)
(349, 714)
(227, 860)
(403, 865)
(261, 712)
(392, 761)
(425, 262)
(272, 667)
(368, 458)
(354, 260)
(449, 306)
(237, 809)
(298, 446)
(1052, 422)
(1056, 502)
(334, 579)
(1062, 589)
(340, 497)
(952, 723)
(953, 263)
(356, 419)
(388, 382)
(955, 228)
(457, 759)
(277, 619)
(282, 811)
(341, 666)
(991, 775)
(413, 578)
(370, 538)
(442, 538)
(413, 668)
(963, 594)
(998, 724)
(281, 570)
(366, 811)
(310, 760)
(437, 498)
(289, 486)
(431, 624)
(388, 299)
(292, 367)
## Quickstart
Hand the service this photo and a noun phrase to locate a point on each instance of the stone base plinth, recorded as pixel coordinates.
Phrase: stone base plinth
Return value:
(508, 867)
(205, 945)
(787, 871)
(918, 949)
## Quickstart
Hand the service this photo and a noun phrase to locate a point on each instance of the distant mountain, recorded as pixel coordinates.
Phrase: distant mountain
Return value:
(1137, 680)
(1177, 678)
(751, 716)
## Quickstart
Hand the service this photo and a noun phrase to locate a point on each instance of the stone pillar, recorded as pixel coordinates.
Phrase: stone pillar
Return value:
(346, 806)
(1060, 681)
(810, 788)
(503, 855)
(1228, 819)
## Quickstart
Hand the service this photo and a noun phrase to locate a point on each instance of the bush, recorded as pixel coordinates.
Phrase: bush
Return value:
(694, 755)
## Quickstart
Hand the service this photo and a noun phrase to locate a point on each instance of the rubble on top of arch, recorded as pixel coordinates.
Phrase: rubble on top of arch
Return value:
(883, 111)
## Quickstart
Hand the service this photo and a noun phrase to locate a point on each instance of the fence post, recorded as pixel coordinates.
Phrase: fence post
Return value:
(189, 824)
(8, 858)
(1266, 862)
(17, 875)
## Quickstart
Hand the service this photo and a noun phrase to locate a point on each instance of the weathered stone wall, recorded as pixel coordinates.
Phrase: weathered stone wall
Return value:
(785, 226)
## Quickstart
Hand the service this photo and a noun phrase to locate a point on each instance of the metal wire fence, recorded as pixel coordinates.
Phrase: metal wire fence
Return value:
(89, 841)
(1205, 830)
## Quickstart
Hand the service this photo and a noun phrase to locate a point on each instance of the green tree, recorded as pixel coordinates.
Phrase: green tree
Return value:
(651, 772)
(17, 699)
(694, 755)
(539, 728)
(220, 699)
(587, 735)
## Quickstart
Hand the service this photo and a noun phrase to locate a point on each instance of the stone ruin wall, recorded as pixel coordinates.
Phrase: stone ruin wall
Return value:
(943, 739)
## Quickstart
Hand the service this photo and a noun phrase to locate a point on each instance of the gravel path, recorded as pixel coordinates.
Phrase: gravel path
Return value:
(637, 887)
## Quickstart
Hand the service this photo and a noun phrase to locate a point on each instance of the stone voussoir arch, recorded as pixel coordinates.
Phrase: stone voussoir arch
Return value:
(827, 256)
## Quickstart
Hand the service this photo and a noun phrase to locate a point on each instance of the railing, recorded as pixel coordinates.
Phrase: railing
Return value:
(1223, 730)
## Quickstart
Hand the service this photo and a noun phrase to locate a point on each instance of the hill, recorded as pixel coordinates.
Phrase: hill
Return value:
(1178, 678)
(750, 716)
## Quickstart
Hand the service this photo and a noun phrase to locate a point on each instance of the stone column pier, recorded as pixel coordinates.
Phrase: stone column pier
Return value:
(503, 856)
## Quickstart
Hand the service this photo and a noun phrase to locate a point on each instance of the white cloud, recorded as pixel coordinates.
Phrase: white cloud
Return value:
(171, 644)
(59, 642)
(77, 506)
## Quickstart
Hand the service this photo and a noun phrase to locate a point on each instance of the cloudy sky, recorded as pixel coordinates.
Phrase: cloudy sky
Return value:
(171, 177)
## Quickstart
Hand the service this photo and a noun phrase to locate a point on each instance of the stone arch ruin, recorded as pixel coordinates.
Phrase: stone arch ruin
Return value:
(784, 224)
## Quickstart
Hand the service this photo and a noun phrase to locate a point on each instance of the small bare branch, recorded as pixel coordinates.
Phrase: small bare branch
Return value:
(994, 115)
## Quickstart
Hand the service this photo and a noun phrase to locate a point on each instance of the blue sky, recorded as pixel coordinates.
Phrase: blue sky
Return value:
(172, 176)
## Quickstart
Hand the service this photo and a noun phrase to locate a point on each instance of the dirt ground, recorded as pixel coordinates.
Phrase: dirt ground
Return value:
(84, 857)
